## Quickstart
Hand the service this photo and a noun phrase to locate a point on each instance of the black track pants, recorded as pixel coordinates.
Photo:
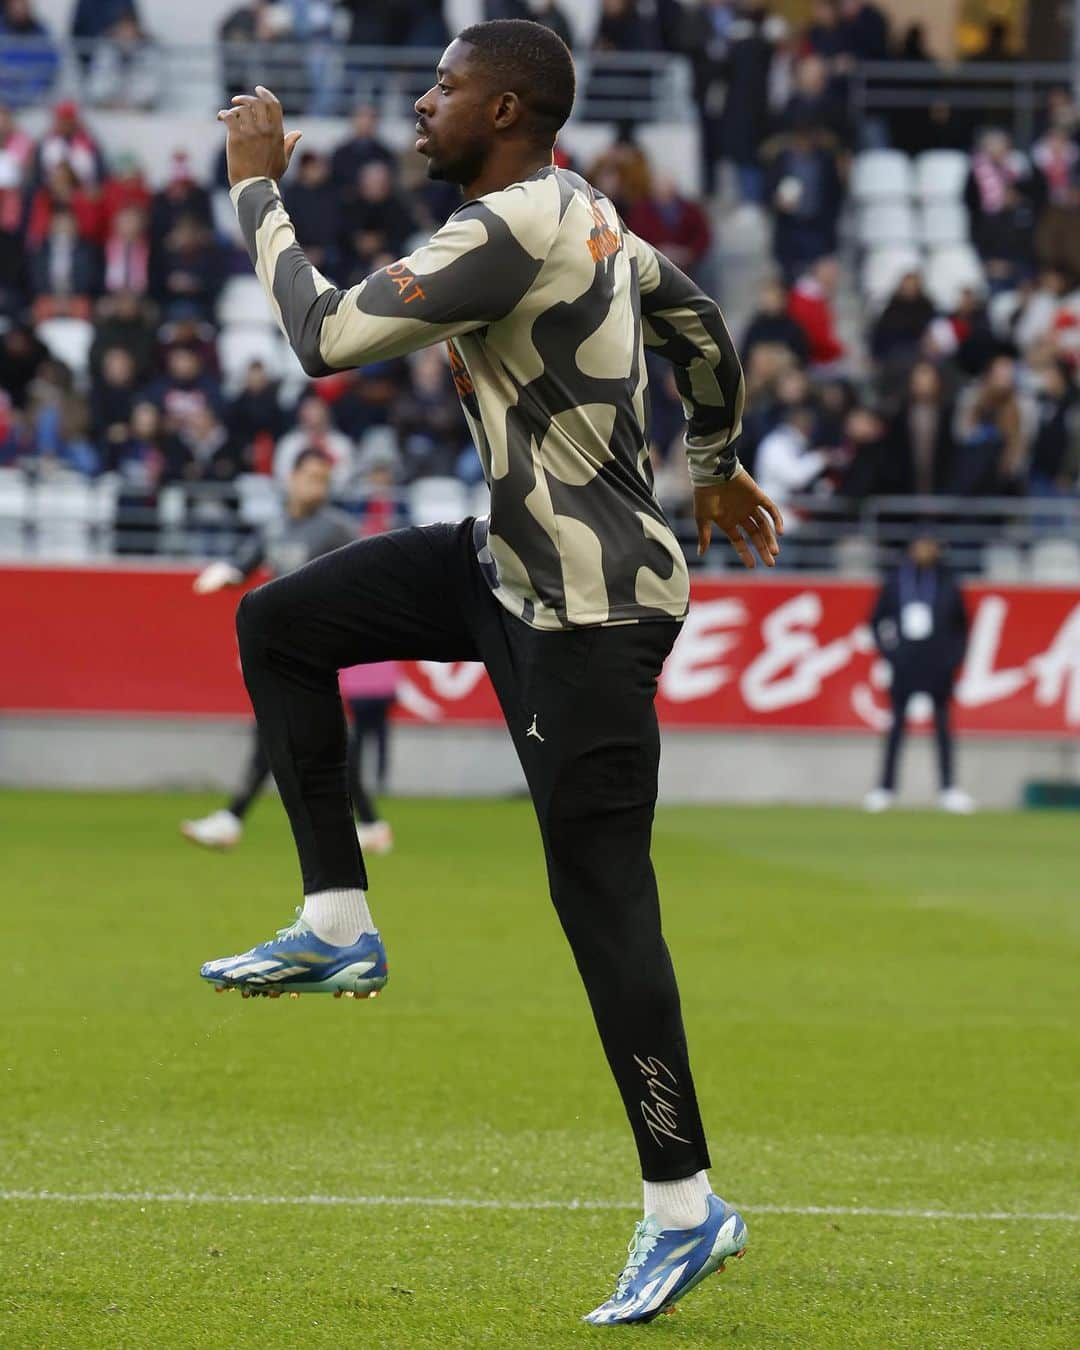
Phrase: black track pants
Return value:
(579, 706)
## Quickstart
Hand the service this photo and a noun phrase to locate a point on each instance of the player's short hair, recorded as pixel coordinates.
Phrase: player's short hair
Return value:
(531, 61)
(311, 453)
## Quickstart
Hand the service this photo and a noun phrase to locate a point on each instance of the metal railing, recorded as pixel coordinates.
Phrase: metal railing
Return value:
(1004, 538)
(319, 77)
(1008, 94)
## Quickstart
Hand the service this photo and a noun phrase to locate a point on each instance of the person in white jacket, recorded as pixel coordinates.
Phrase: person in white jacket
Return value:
(785, 464)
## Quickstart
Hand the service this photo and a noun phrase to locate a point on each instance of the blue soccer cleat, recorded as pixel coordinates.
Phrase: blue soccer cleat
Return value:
(297, 962)
(667, 1263)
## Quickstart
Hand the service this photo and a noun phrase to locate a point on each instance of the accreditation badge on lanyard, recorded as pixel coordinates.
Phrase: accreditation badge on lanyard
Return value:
(917, 594)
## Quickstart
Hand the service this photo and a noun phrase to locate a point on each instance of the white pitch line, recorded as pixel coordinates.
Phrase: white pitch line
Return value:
(467, 1202)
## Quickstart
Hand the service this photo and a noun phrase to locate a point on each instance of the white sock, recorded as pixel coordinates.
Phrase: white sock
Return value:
(338, 917)
(678, 1204)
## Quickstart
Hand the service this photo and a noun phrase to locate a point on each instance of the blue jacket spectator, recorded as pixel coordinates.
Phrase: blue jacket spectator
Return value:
(28, 59)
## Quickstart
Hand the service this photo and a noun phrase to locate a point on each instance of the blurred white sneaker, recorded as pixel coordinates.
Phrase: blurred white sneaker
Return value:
(879, 800)
(377, 837)
(956, 801)
(220, 829)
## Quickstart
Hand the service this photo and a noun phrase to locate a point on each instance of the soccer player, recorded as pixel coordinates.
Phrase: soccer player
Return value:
(571, 592)
(309, 528)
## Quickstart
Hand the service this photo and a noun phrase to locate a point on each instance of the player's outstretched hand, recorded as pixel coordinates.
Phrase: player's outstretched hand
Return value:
(745, 515)
(257, 146)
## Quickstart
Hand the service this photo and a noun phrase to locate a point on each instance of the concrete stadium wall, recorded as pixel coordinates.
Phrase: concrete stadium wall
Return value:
(163, 753)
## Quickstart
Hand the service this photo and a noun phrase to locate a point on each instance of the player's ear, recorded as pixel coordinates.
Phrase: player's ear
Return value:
(507, 111)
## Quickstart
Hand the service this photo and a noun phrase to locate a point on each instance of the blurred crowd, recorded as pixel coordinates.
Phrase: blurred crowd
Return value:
(973, 397)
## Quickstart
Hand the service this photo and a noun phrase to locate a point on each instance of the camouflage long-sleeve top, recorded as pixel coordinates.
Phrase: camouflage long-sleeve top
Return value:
(547, 304)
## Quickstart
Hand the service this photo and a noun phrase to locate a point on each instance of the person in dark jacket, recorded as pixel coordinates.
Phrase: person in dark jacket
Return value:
(920, 628)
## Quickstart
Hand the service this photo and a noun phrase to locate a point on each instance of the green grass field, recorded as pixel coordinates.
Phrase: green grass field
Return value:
(883, 1014)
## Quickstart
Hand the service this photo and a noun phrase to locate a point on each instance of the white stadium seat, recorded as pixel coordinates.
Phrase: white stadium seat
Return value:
(260, 498)
(69, 341)
(1056, 560)
(63, 512)
(14, 508)
(941, 175)
(884, 268)
(432, 500)
(953, 269)
(880, 175)
(942, 223)
(855, 556)
(239, 346)
(1002, 562)
(243, 302)
(886, 223)
(226, 223)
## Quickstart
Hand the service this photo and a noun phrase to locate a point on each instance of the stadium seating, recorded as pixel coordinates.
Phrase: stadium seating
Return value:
(239, 345)
(69, 341)
(432, 500)
(883, 223)
(883, 269)
(944, 222)
(941, 175)
(63, 513)
(881, 176)
(1056, 560)
(14, 507)
(952, 270)
(260, 498)
(1002, 561)
(243, 303)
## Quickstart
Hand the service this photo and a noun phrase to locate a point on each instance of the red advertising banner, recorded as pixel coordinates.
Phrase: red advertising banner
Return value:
(782, 653)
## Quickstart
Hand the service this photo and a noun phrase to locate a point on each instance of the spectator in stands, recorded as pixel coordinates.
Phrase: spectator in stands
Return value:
(92, 19)
(864, 31)
(181, 197)
(15, 444)
(814, 103)
(59, 423)
(1055, 158)
(810, 305)
(69, 141)
(112, 399)
(996, 167)
(1057, 235)
(858, 466)
(375, 219)
(126, 69)
(16, 157)
(622, 172)
(246, 34)
(64, 271)
(63, 192)
(187, 267)
(125, 186)
(185, 388)
(993, 428)
(315, 430)
(29, 62)
(786, 461)
(432, 440)
(745, 120)
(124, 320)
(673, 223)
(312, 201)
(773, 326)
(898, 331)
(362, 147)
(149, 459)
(546, 12)
(127, 252)
(919, 445)
(1056, 441)
(804, 188)
(362, 399)
(255, 419)
(21, 355)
